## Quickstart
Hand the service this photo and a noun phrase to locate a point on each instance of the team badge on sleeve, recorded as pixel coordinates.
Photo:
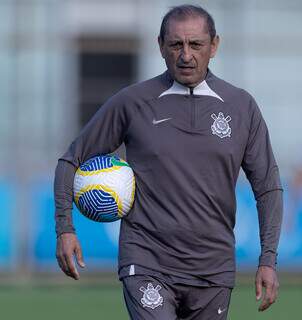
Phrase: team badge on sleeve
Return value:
(221, 127)
(151, 297)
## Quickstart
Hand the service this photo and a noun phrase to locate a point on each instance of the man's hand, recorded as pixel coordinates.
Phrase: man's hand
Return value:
(266, 277)
(68, 246)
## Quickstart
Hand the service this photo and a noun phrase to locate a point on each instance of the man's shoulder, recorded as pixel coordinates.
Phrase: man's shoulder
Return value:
(137, 94)
(229, 92)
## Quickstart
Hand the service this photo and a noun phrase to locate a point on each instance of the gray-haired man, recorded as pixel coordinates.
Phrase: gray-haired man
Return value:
(187, 133)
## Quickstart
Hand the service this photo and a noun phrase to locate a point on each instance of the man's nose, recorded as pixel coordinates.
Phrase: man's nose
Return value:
(186, 54)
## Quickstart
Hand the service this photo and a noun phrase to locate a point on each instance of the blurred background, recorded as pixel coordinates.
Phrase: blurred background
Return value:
(59, 61)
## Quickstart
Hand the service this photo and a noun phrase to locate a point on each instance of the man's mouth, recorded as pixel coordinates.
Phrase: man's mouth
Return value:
(186, 70)
(185, 67)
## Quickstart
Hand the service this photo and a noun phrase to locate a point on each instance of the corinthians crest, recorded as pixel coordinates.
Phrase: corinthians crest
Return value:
(151, 297)
(221, 127)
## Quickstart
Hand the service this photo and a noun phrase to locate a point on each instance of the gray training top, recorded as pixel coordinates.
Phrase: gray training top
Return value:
(186, 148)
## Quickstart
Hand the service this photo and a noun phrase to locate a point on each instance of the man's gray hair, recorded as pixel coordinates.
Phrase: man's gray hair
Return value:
(183, 12)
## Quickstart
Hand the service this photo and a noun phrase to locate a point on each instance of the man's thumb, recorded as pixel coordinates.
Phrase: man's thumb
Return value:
(258, 290)
(79, 257)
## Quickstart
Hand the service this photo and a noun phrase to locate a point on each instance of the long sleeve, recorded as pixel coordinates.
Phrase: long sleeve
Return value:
(262, 172)
(63, 188)
(104, 133)
(269, 206)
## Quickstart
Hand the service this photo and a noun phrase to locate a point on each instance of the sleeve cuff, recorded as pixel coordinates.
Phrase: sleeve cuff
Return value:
(268, 260)
(64, 225)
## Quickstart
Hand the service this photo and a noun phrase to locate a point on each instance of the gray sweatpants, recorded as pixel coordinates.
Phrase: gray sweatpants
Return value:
(150, 298)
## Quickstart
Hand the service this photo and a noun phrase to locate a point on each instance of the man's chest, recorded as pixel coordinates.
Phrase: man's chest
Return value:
(193, 126)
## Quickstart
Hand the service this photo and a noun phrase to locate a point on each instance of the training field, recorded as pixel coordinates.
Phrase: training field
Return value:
(79, 301)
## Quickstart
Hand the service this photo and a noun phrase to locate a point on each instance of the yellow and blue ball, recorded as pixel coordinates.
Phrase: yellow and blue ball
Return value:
(104, 188)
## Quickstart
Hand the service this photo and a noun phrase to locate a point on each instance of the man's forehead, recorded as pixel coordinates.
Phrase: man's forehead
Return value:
(194, 26)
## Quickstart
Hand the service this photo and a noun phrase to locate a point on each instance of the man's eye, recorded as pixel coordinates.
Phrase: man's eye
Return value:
(196, 46)
(176, 45)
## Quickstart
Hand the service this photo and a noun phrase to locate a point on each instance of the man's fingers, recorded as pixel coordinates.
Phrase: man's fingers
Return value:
(79, 257)
(71, 267)
(258, 287)
(68, 247)
(269, 297)
(264, 305)
(61, 261)
(266, 302)
(63, 265)
(266, 278)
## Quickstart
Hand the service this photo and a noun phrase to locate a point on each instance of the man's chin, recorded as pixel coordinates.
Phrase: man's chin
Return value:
(187, 81)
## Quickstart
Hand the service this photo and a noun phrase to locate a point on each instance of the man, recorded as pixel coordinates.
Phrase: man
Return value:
(187, 133)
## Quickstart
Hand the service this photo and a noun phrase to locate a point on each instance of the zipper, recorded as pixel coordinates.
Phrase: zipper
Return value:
(193, 108)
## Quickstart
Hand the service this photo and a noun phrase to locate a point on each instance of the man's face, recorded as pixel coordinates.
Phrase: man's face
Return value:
(187, 49)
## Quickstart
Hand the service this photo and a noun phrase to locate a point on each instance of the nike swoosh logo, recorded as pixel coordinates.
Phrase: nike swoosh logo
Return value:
(161, 120)
(219, 311)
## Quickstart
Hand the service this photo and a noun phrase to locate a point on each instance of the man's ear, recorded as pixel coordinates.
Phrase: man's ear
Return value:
(214, 46)
(161, 46)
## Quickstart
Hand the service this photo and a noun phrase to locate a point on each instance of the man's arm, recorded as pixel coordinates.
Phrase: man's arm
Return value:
(103, 134)
(68, 245)
(63, 190)
(269, 208)
(262, 172)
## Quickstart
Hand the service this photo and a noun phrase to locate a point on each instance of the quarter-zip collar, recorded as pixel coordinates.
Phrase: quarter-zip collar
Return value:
(202, 89)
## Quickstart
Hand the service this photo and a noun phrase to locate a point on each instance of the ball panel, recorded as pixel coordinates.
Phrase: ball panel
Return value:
(92, 173)
(98, 205)
(99, 164)
(104, 188)
(97, 197)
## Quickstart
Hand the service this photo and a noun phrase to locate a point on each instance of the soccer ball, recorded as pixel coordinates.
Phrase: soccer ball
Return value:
(104, 188)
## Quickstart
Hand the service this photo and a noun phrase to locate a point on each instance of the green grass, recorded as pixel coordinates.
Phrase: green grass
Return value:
(49, 303)
(87, 302)
(244, 305)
